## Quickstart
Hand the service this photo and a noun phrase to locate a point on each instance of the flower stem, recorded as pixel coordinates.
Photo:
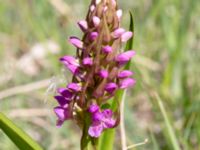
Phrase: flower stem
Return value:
(85, 138)
(87, 142)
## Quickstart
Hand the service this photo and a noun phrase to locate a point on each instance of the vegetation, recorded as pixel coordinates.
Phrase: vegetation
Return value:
(164, 105)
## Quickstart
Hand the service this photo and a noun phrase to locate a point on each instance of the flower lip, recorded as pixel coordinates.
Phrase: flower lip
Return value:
(93, 35)
(107, 49)
(83, 25)
(119, 13)
(65, 93)
(97, 116)
(103, 73)
(69, 60)
(88, 61)
(60, 112)
(62, 100)
(125, 57)
(92, 8)
(118, 32)
(71, 63)
(95, 129)
(93, 108)
(126, 36)
(74, 87)
(127, 83)
(76, 42)
(63, 113)
(125, 74)
(111, 87)
(96, 21)
(100, 121)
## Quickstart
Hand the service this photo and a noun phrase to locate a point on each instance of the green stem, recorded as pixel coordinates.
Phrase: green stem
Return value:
(87, 143)
(85, 138)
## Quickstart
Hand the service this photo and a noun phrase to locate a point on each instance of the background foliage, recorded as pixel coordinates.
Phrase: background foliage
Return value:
(33, 36)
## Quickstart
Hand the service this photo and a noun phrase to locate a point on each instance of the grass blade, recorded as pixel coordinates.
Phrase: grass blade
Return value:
(19, 137)
(169, 127)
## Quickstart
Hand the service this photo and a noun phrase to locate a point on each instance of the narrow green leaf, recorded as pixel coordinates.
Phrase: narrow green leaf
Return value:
(154, 141)
(19, 137)
(168, 125)
(107, 139)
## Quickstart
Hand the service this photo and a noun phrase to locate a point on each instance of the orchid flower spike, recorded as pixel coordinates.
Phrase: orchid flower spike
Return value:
(97, 70)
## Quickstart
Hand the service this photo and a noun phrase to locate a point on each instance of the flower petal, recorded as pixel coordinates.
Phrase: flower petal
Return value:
(125, 74)
(107, 49)
(111, 87)
(126, 36)
(74, 87)
(126, 83)
(87, 61)
(118, 32)
(119, 13)
(76, 42)
(123, 58)
(103, 73)
(96, 21)
(95, 130)
(65, 93)
(93, 108)
(62, 100)
(60, 112)
(83, 25)
(93, 35)
(71, 63)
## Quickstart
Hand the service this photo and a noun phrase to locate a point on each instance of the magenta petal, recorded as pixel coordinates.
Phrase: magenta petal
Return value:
(92, 8)
(69, 60)
(107, 113)
(93, 108)
(93, 35)
(61, 100)
(109, 123)
(65, 92)
(87, 61)
(118, 32)
(105, 9)
(63, 112)
(71, 63)
(126, 83)
(74, 87)
(60, 112)
(59, 123)
(119, 13)
(107, 49)
(114, 3)
(103, 73)
(95, 130)
(125, 74)
(96, 21)
(83, 25)
(111, 87)
(123, 58)
(126, 36)
(76, 42)
(97, 116)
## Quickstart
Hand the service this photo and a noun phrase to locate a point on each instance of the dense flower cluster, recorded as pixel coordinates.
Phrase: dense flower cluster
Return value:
(97, 68)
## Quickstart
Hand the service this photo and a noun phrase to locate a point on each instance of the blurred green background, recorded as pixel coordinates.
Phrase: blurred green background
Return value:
(33, 36)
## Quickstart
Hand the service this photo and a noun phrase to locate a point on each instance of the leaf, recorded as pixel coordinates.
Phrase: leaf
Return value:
(19, 137)
(106, 141)
(168, 125)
